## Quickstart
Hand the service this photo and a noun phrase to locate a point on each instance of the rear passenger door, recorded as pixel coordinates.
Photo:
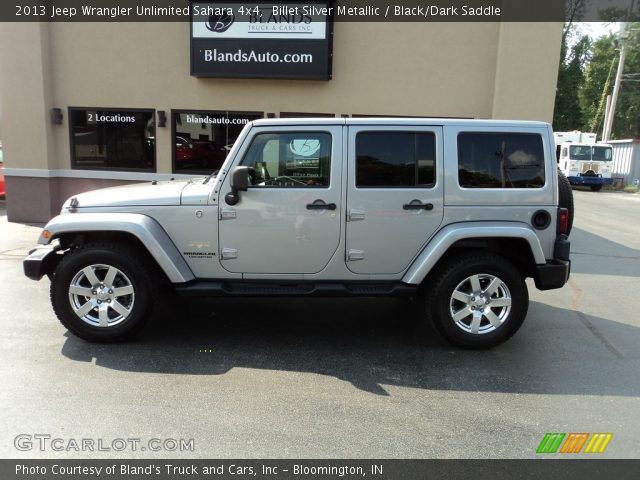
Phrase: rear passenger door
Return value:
(394, 195)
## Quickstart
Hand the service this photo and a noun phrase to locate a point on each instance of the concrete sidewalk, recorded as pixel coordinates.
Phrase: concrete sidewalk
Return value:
(16, 239)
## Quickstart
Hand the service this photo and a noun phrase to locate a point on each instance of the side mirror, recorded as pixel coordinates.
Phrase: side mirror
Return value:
(239, 183)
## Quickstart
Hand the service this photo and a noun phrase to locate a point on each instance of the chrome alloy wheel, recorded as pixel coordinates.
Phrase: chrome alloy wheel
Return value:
(101, 295)
(480, 304)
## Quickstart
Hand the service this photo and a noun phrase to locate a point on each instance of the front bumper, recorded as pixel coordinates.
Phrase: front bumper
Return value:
(555, 273)
(41, 261)
(579, 180)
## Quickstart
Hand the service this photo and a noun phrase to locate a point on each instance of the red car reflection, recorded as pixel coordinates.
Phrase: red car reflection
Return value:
(200, 154)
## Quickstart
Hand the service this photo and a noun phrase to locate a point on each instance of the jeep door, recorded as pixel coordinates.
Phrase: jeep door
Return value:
(288, 222)
(394, 195)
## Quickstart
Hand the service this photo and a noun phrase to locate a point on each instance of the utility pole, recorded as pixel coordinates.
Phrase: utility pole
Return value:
(611, 111)
(606, 116)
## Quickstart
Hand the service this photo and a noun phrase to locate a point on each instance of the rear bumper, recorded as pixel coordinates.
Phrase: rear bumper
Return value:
(590, 181)
(552, 275)
(41, 261)
(555, 273)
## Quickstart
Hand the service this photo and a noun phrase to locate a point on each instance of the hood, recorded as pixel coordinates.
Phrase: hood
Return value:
(137, 194)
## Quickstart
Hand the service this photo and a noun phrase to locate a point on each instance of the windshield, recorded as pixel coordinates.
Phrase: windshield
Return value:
(602, 153)
(580, 152)
(588, 152)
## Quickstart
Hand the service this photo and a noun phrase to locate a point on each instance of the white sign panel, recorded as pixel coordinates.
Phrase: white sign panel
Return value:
(288, 21)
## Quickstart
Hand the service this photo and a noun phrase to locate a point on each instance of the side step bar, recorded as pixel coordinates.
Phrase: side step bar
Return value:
(284, 289)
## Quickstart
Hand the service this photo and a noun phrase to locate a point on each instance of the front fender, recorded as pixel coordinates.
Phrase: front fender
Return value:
(144, 228)
(453, 233)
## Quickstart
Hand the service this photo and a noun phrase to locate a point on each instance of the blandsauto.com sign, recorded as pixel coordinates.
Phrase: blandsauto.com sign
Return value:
(261, 40)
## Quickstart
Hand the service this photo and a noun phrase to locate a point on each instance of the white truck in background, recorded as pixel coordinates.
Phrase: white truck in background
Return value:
(582, 160)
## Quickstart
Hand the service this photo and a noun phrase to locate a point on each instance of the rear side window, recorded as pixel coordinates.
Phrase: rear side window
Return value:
(395, 159)
(500, 160)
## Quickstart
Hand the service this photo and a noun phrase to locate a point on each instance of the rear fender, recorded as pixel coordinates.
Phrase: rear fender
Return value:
(451, 234)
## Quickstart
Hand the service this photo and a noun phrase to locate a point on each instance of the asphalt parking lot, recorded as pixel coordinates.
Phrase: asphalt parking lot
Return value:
(335, 378)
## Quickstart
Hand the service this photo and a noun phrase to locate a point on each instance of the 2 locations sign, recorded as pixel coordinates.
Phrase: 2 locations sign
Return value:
(262, 40)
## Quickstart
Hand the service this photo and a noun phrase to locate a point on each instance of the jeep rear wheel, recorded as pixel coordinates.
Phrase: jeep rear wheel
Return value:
(102, 292)
(477, 300)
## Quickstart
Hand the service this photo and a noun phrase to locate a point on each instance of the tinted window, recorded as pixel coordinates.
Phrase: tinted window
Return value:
(395, 159)
(113, 139)
(202, 140)
(292, 159)
(500, 160)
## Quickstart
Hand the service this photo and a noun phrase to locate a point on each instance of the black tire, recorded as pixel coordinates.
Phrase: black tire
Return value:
(565, 199)
(454, 276)
(596, 188)
(132, 273)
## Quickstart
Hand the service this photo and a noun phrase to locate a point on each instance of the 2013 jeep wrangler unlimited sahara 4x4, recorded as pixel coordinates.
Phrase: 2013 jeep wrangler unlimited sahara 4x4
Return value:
(456, 212)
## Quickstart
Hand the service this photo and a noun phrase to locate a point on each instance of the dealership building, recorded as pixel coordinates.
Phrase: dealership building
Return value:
(85, 105)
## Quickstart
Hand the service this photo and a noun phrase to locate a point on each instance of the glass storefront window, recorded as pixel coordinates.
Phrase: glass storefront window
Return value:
(202, 139)
(113, 139)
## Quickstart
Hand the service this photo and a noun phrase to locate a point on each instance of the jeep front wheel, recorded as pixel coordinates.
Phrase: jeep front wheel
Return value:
(477, 300)
(102, 292)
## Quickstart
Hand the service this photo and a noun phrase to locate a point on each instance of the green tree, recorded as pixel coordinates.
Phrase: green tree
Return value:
(599, 78)
(567, 111)
(598, 83)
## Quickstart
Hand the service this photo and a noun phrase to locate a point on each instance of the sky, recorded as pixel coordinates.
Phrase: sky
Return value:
(599, 29)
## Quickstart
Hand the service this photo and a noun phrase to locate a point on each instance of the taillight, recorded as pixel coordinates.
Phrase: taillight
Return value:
(563, 221)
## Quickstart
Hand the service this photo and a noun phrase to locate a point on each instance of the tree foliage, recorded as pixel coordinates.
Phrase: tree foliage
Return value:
(586, 76)
(599, 77)
(567, 111)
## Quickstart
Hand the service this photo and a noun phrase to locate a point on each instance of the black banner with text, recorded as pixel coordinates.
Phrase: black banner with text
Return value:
(158, 469)
(340, 10)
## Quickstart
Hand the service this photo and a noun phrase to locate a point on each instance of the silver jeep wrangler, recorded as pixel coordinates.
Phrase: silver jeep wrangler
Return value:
(457, 213)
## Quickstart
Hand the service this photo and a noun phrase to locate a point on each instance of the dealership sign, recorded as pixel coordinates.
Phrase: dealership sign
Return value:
(262, 40)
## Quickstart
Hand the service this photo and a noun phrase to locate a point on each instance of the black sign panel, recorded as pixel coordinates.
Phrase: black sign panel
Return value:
(262, 40)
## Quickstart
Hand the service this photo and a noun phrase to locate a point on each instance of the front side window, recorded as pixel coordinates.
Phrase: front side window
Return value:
(500, 160)
(290, 160)
(395, 159)
(113, 139)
